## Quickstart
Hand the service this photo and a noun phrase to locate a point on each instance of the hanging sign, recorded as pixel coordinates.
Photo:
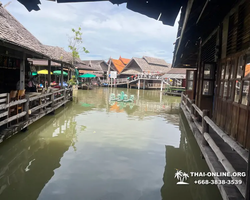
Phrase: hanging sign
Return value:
(113, 74)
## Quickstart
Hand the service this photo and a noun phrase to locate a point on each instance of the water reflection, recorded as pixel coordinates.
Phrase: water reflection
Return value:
(187, 158)
(96, 150)
(28, 160)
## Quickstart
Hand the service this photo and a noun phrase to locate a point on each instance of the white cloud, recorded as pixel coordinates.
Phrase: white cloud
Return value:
(108, 30)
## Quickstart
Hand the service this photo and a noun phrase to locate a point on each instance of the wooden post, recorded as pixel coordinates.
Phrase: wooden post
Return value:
(52, 99)
(61, 75)
(191, 107)
(64, 93)
(205, 126)
(26, 107)
(139, 84)
(49, 72)
(161, 84)
(22, 72)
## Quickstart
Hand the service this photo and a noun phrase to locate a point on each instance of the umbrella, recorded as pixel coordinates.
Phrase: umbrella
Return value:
(45, 71)
(58, 72)
(87, 76)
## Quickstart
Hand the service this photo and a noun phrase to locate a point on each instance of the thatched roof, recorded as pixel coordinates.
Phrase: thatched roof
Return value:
(13, 32)
(147, 65)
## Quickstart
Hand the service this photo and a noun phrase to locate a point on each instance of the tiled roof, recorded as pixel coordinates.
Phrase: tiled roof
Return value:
(156, 61)
(146, 64)
(147, 67)
(125, 61)
(58, 54)
(95, 65)
(118, 65)
(13, 32)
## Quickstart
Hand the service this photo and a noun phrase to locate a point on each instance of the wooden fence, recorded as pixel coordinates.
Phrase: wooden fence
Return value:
(30, 106)
(203, 124)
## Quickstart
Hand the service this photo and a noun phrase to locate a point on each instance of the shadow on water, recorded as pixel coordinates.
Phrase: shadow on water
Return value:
(79, 154)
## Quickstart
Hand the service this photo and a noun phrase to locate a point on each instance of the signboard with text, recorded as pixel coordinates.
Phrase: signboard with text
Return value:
(113, 74)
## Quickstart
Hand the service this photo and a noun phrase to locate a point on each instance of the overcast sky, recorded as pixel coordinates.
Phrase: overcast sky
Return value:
(108, 30)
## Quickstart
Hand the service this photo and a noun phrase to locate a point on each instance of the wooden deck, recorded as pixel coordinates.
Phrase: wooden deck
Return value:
(221, 153)
(35, 107)
(139, 83)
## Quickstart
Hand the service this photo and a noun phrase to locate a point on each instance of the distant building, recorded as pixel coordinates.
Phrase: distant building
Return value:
(146, 65)
(97, 67)
(118, 65)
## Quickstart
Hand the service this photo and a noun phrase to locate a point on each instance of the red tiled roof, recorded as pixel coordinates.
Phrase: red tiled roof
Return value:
(118, 65)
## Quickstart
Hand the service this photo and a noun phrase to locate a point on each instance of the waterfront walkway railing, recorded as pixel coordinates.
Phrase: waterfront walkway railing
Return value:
(32, 109)
(205, 125)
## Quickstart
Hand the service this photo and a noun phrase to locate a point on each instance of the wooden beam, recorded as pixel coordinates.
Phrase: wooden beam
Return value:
(3, 114)
(226, 164)
(233, 144)
(49, 71)
(13, 103)
(13, 118)
(3, 95)
(61, 75)
(22, 72)
(40, 106)
(188, 10)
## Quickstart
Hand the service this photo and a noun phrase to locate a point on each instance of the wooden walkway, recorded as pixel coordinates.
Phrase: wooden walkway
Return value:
(221, 153)
(138, 83)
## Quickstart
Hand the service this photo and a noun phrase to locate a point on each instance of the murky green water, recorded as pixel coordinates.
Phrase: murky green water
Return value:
(94, 150)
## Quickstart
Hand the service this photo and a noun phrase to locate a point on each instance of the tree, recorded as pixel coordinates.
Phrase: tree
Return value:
(75, 44)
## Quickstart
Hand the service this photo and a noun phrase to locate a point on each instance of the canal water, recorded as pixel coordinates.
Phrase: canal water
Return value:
(93, 149)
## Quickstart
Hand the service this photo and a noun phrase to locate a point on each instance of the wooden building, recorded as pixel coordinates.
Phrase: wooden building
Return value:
(146, 65)
(214, 37)
(18, 108)
(176, 77)
(118, 65)
(97, 67)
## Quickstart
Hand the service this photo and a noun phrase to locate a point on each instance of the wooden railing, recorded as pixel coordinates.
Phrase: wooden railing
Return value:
(203, 122)
(31, 105)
